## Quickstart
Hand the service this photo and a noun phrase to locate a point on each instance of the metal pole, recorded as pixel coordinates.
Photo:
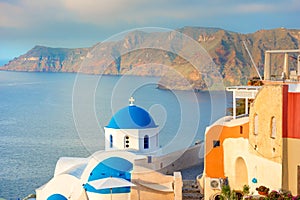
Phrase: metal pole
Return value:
(267, 67)
(252, 60)
(234, 105)
(286, 66)
(246, 106)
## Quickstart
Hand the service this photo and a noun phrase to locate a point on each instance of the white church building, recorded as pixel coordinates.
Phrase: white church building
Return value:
(131, 153)
(132, 128)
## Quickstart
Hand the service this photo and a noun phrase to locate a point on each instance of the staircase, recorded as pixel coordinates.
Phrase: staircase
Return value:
(190, 190)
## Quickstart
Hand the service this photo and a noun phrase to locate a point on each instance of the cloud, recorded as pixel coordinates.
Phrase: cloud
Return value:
(110, 13)
(28, 13)
(253, 8)
(142, 12)
(9, 15)
(65, 22)
(261, 7)
(107, 12)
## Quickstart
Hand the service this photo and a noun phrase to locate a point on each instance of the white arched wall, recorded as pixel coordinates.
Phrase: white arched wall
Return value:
(65, 164)
(65, 184)
(266, 172)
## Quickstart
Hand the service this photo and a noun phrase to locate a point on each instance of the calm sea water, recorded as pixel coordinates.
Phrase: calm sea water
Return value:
(44, 116)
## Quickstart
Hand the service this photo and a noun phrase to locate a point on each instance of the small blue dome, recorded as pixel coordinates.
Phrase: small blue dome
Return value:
(110, 167)
(131, 117)
(56, 197)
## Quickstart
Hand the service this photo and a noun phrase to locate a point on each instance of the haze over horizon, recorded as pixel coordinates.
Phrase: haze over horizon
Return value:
(75, 23)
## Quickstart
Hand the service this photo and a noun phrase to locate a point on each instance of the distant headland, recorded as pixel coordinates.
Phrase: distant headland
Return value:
(225, 48)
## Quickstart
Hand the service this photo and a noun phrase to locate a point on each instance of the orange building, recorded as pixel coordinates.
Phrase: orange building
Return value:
(261, 146)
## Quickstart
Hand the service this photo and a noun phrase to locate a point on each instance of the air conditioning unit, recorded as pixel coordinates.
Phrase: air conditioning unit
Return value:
(215, 183)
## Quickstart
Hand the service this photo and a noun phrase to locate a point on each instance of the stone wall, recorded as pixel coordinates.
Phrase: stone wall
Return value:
(267, 104)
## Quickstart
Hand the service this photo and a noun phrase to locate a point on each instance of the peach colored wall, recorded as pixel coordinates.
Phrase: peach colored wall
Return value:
(267, 104)
(141, 192)
(178, 186)
(240, 161)
(291, 162)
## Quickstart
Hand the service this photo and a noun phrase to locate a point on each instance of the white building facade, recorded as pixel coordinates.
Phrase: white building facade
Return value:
(132, 128)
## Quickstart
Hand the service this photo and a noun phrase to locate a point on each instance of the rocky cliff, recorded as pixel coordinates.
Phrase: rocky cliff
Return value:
(225, 47)
(46, 59)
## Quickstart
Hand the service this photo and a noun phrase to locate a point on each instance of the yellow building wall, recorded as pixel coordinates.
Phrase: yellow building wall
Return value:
(267, 104)
(291, 163)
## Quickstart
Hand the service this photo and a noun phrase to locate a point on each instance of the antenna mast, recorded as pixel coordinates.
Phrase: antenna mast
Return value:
(252, 60)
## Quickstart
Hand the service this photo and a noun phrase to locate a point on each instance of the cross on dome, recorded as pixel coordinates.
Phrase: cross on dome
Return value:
(131, 101)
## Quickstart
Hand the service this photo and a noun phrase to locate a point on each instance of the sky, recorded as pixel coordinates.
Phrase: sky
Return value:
(83, 23)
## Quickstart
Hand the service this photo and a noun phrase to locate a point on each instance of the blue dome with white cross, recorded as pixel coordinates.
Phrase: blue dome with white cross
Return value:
(131, 117)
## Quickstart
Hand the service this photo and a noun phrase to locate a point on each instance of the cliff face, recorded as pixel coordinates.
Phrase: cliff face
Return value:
(46, 59)
(226, 49)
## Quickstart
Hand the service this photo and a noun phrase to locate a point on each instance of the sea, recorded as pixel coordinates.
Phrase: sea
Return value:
(45, 116)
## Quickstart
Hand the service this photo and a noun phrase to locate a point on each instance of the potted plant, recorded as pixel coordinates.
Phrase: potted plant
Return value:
(226, 192)
(274, 195)
(262, 190)
(246, 190)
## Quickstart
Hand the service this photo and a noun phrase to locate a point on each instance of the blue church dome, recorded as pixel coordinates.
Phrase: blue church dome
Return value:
(56, 197)
(131, 117)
